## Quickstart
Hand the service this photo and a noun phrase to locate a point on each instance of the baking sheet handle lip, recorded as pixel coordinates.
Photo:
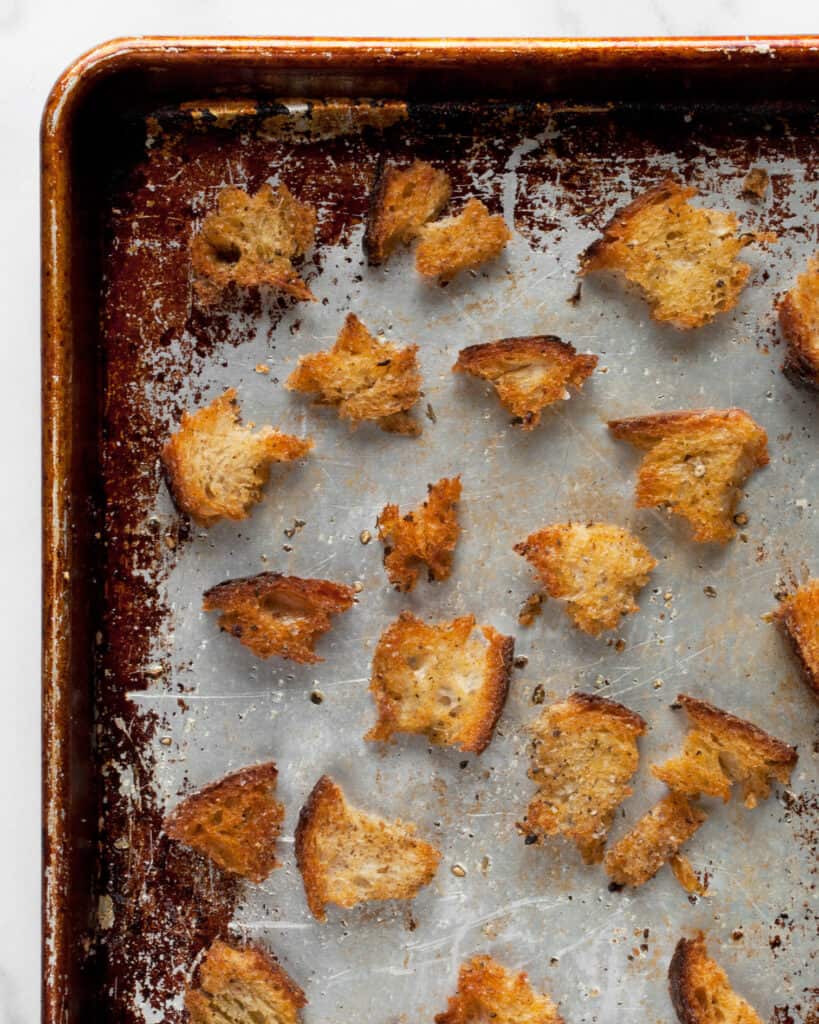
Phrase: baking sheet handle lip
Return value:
(122, 52)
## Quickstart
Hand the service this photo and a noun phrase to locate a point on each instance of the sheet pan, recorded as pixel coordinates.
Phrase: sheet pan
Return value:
(145, 699)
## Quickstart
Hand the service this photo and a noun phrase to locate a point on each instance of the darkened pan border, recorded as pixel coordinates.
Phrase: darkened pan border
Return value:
(90, 141)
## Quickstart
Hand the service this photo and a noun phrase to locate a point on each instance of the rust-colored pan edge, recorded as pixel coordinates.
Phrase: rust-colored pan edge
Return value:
(57, 325)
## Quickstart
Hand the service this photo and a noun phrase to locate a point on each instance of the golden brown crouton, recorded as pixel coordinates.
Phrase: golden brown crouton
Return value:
(251, 241)
(463, 242)
(584, 754)
(799, 319)
(275, 614)
(799, 617)
(443, 681)
(347, 857)
(235, 821)
(403, 200)
(488, 991)
(243, 986)
(695, 464)
(700, 990)
(683, 258)
(216, 468)
(721, 749)
(364, 378)
(527, 373)
(655, 839)
(428, 534)
(597, 567)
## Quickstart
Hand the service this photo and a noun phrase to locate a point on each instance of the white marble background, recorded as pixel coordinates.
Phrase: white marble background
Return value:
(37, 39)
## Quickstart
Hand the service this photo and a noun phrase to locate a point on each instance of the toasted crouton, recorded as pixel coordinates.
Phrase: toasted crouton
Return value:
(721, 749)
(584, 754)
(597, 567)
(403, 200)
(216, 468)
(251, 241)
(700, 990)
(364, 378)
(527, 373)
(682, 258)
(235, 821)
(444, 681)
(695, 464)
(655, 839)
(275, 614)
(243, 986)
(428, 534)
(487, 991)
(463, 242)
(347, 857)
(799, 617)
(799, 319)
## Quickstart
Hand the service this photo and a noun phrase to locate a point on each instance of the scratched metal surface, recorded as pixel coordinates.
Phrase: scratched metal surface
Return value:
(603, 955)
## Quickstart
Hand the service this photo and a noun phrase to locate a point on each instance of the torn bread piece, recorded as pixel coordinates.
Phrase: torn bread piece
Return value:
(799, 617)
(799, 320)
(216, 468)
(243, 985)
(584, 754)
(403, 200)
(720, 750)
(597, 567)
(253, 240)
(695, 464)
(682, 258)
(463, 242)
(447, 681)
(347, 857)
(364, 378)
(487, 991)
(654, 840)
(527, 373)
(427, 535)
(275, 614)
(700, 990)
(235, 821)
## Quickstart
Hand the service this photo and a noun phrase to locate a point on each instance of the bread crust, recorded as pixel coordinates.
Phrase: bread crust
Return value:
(695, 464)
(407, 699)
(798, 616)
(401, 202)
(237, 973)
(252, 240)
(722, 749)
(426, 535)
(529, 373)
(653, 841)
(235, 821)
(584, 754)
(694, 978)
(597, 567)
(275, 614)
(364, 378)
(214, 434)
(799, 320)
(326, 813)
(488, 991)
(462, 242)
(682, 258)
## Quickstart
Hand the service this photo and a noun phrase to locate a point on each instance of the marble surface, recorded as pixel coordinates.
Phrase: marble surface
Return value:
(37, 39)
